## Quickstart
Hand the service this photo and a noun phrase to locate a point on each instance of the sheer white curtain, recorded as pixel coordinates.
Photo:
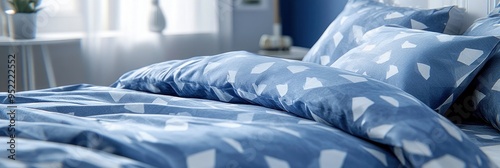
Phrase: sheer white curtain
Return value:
(183, 16)
(117, 31)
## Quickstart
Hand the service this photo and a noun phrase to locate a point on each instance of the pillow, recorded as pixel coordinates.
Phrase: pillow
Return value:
(360, 16)
(385, 115)
(496, 10)
(484, 91)
(433, 67)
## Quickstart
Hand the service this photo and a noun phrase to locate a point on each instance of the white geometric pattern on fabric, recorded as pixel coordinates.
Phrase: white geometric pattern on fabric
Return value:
(418, 25)
(451, 130)
(277, 113)
(425, 70)
(445, 161)
(448, 101)
(307, 122)
(325, 60)
(384, 58)
(391, 100)
(233, 143)
(245, 117)
(369, 47)
(337, 38)
(135, 107)
(319, 119)
(417, 148)
(478, 97)
(179, 84)
(496, 87)
(399, 154)
(402, 35)
(262, 68)
(223, 96)
(276, 163)
(160, 101)
(354, 79)
(461, 80)
(231, 76)
(359, 106)
(248, 95)
(331, 158)
(297, 69)
(408, 44)
(343, 19)
(312, 83)
(488, 137)
(116, 96)
(393, 15)
(282, 89)
(393, 70)
(380, 131)
(377, 154)
(153, 88)
(358, 33)
(259, 89)
(445, 38)
(469, 56)
(203, 159)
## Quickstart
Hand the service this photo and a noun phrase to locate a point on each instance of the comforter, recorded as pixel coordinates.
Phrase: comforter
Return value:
(232, 110)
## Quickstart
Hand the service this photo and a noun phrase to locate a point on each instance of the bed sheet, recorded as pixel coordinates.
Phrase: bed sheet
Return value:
(231, 110)
(93, 126)
(486, 137)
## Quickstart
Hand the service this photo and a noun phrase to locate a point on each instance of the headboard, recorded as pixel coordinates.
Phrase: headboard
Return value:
(474, 8)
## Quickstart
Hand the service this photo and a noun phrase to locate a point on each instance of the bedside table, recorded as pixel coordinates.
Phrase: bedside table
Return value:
(295, 53)
(26, 55)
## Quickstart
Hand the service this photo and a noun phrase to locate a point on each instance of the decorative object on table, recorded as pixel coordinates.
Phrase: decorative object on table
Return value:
(22, 18)
(276, 41)
(3, 18)
(157, 21)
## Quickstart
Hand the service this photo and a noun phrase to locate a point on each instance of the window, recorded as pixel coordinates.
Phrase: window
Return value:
(182, 16)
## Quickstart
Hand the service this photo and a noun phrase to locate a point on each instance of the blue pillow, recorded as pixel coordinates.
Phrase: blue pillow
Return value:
(496, 10)
(484, 91)
(360, 16)
(358, 105)
(433, 67)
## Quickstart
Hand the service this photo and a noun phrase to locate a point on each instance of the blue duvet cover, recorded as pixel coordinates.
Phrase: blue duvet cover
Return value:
(231, 110)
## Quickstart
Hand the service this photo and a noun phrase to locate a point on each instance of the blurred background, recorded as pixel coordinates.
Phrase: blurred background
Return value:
(114, 35)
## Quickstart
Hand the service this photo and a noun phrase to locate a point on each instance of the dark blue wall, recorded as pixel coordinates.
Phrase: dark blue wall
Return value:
(305, 20)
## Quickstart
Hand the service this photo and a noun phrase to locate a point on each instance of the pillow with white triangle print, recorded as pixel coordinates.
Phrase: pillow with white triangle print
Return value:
(360, 16)
(483, 94)
(434, 67)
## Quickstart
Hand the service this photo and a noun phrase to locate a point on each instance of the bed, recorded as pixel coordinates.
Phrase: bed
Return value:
(372, 92)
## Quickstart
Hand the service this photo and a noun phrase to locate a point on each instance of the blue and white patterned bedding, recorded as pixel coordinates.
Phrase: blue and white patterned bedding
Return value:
(486, 137)
(233, 110)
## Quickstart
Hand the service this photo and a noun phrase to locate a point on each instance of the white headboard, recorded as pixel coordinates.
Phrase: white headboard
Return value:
(474, 8)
